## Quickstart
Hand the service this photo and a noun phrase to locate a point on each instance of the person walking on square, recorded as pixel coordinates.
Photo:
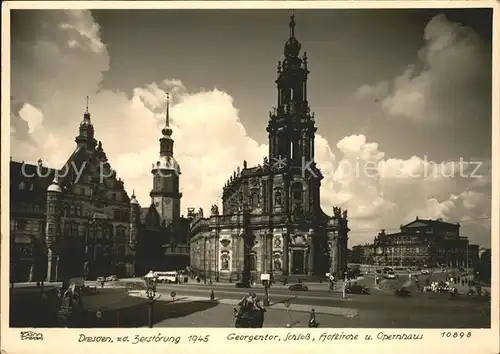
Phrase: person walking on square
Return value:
(259, 310)
(312, 320)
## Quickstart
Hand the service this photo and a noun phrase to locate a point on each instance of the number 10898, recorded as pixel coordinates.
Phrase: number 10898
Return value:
(456, 335)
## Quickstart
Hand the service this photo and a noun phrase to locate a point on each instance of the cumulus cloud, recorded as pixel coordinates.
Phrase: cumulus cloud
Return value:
(453, 66)
(69, 60)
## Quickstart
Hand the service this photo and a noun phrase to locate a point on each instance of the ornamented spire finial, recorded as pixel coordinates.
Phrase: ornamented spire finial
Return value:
(86, 115)
(167, 122)
(167, 131)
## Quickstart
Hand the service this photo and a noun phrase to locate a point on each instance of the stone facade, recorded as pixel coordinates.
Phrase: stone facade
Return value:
(73, 221)
(271, 216)
(424, 243)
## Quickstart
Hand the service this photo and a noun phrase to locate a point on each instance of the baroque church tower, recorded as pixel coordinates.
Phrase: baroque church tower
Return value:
(165, 194)
(291, 129)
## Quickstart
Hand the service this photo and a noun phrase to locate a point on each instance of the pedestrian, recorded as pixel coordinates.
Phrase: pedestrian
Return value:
(260, 311)
(312, 320)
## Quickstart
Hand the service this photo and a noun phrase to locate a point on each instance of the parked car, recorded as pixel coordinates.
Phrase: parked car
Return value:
(242, 285)
(425, 271)
(402, 292)
(357, 289)
(112, 278)
(390, 275)
(298, 287)
(100, 279)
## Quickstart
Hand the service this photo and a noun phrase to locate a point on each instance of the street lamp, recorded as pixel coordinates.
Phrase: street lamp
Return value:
(209, 261)
(217, 236)
(205, 261)
(248, 243)
(152, 296)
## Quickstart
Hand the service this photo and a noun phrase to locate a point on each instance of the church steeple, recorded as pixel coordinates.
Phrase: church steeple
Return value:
(165, 195)
(85, 136)
(166, 141)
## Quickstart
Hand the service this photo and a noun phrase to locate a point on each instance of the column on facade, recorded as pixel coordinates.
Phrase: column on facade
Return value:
(305, 201)
(49, 263)
(310, 257)
(234, 249)
(269, 252)
(241, 253)
(286, 251)
(332, 237)
(263, 252)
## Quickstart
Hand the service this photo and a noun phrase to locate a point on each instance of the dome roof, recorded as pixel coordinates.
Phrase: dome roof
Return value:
(133, 200)
(167, 163)
(166, 131)
(292, 47)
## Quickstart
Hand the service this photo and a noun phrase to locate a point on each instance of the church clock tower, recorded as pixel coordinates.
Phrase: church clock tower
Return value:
(166, 171)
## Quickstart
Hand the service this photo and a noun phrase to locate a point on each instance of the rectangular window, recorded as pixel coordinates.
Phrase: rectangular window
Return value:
(21, 225)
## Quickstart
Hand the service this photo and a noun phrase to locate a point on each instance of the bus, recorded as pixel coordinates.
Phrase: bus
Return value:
(166, 277)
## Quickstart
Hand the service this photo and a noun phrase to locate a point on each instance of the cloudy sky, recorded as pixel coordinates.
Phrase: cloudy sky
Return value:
(407, 92)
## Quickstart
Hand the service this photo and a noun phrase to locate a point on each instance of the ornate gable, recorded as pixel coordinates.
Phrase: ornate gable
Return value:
(93, 176)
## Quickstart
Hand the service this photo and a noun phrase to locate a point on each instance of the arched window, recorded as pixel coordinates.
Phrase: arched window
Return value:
(297, 193)
(255, 200)
(277, 198)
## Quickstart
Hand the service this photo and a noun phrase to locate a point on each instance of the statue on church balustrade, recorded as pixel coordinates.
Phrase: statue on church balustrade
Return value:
(337, 212)
(344, 214)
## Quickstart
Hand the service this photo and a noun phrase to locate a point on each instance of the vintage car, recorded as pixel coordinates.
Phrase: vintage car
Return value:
(298, 287)
(402, 292)
(242, 285)
(357, 289)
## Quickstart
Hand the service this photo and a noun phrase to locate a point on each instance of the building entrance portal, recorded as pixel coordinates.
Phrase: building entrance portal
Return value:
(298, 262)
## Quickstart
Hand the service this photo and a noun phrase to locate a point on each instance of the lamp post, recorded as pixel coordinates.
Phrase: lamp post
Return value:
(467, 258)
(209, 261)
(217, 256)
(247, 245)
(152, 296)
(205, 261)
